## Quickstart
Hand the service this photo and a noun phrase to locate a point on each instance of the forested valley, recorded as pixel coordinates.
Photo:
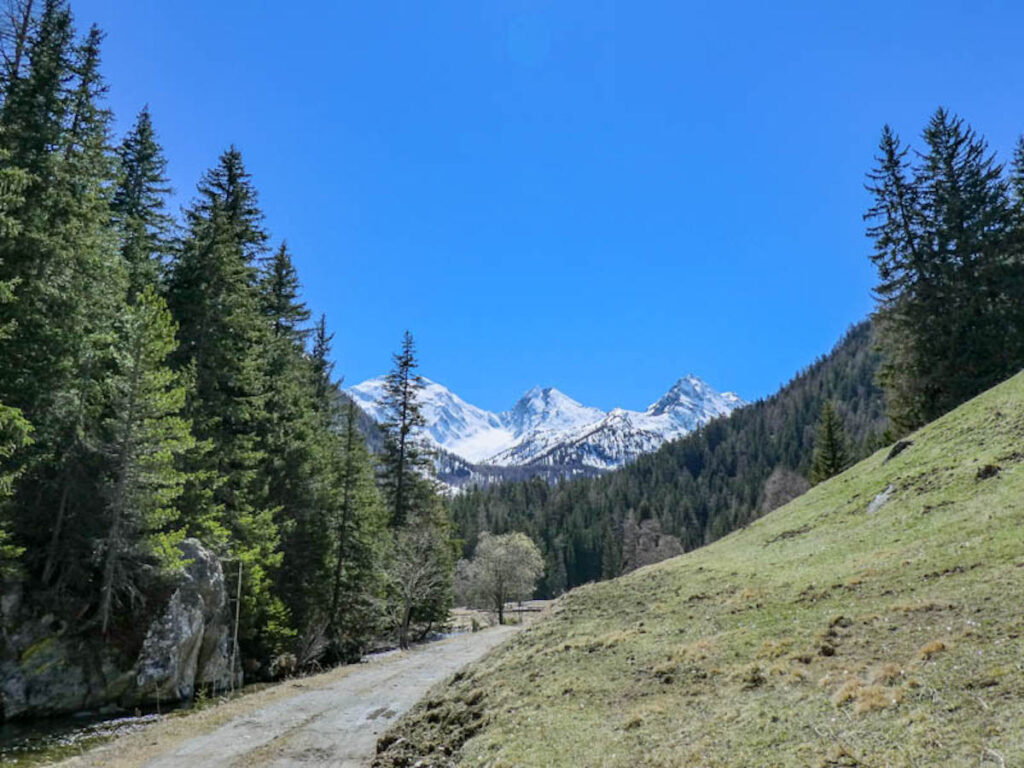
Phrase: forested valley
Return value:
(172, 427)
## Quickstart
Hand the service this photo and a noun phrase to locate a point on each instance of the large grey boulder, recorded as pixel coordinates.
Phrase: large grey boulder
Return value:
(47, 668)
(189, 645)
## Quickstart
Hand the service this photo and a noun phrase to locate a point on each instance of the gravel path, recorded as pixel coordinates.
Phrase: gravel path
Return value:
(336, 725)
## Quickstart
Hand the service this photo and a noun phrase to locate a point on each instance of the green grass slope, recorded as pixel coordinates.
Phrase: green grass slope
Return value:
(828, 633)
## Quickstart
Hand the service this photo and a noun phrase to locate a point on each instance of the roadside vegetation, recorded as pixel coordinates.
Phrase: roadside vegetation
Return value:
(876, 620)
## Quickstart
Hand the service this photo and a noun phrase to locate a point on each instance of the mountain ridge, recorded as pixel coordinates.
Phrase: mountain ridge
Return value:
(547, 428)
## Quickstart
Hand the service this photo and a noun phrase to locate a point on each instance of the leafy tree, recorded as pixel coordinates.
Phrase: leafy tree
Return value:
(146, 436)
(505, 569)
(419, 573)
(830, 454)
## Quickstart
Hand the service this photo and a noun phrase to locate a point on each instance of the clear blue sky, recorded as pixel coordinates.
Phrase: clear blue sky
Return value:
(599, 196)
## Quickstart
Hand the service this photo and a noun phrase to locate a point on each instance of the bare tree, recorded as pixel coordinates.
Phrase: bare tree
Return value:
(781, 487)
(505, 568)
(644, 543)
(418, 574)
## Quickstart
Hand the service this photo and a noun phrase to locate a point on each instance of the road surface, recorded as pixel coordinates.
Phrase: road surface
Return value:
(330, 720)
(337, 725)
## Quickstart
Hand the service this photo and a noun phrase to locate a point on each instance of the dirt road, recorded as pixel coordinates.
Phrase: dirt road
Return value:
(337, 725)
(330, 720)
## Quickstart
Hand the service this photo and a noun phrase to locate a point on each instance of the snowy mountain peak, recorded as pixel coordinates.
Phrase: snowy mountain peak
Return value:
(547, 428)
(689, 389)
(452, 423)
(547, 408)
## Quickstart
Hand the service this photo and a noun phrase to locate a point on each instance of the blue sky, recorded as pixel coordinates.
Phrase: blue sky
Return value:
(598, 196)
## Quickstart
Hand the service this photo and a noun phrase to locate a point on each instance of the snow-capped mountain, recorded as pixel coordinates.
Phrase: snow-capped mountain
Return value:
(549, 431)
(548, 409)
(452, 423)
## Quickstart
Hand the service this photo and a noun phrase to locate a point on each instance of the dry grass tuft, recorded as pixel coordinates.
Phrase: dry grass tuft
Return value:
(886, 674)
(847, 691)
(874, 697)
(928, 650)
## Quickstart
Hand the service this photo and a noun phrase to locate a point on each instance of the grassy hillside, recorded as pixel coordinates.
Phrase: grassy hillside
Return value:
(832, 632)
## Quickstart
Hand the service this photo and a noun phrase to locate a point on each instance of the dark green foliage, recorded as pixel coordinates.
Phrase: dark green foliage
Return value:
(139, 205)
(357, 529)
(15, 434)
(145, 435)
(697, 488)
(213, 292)
(405, 459)
(947, 240)
(154, 387)
(830, 454)
(60, 257)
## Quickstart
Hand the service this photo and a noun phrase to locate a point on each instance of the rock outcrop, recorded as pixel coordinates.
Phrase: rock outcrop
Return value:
(48, 668)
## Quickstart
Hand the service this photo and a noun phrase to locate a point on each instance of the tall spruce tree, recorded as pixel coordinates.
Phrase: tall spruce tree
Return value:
(139, 205)
(15, 431)
(357, 526)
(421, 563)
(949, 313)
(405, 461)
(62, 262)
(213, 294)
(291, 438)
(146, 435)
(831, 455)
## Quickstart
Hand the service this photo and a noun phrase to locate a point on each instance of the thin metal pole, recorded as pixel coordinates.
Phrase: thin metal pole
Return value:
(238, 610)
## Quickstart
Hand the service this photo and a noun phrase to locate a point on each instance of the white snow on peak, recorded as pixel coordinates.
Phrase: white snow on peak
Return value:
(547, 427)
(547, 408)
(452, 423)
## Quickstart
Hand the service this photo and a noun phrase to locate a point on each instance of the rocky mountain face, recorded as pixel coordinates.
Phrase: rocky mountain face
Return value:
(547, 433)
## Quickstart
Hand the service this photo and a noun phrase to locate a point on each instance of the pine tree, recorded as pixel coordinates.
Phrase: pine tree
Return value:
(15, 431)
(146, 436)
(356, 522)
(62, 262)
(830, 448)
(212, 291)
(405, 461)
(291, 439)
(139, 205)
(950, 318)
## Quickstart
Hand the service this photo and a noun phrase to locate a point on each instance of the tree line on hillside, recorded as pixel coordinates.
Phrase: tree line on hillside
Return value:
(692, 490)
(162, 379)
